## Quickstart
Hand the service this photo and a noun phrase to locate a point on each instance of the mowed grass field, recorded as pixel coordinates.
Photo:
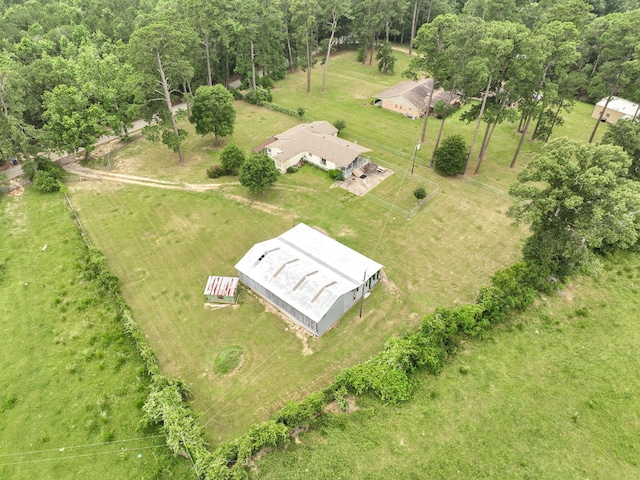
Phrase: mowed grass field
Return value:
(71, 385)
(555, 395)
(164, 244)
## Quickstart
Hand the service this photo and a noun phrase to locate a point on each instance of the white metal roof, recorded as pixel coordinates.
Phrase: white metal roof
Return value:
(307, 269)
(621, 105)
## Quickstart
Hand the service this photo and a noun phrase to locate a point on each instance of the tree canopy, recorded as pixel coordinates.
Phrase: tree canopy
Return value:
(212, 111)
(258, 172)
(577, 200)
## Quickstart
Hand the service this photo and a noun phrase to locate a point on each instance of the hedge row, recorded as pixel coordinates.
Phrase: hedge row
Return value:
(286, 110)
(388, 375)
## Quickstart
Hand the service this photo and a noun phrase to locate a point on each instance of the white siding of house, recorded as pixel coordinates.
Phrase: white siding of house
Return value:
(316, 160)
(282, 165)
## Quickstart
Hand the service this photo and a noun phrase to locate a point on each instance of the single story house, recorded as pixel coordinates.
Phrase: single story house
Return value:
(308, 276)
(221, 289)
(316, 143)
(616, 109)
(411, 97)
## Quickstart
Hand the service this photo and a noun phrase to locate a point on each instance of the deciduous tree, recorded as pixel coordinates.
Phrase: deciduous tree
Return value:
(577, 200)
(231, 159)
(450, 157)
(212, 111)
(72, 122)
(258, 172)
(626, 134)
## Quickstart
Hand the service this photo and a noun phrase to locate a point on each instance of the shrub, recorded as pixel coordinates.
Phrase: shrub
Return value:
(360, 56)
(391, 385)
(292, 169)
(469, 319)
(300, 112)
(214, 171)
(420, 192)
(495, 303)
(451, 156)
(266, 434)
(440, 327)
(340, 125)
(258, 96)
(335, 174)
(47, 182)
(95, 268)
(279, 108)
(231, 159)
(295, 414)
(340, 398)
(517, 282)
(266, 82)
(228, 359)
(237, 94)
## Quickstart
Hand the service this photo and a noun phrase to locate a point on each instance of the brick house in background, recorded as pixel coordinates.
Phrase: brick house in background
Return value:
(410, 97)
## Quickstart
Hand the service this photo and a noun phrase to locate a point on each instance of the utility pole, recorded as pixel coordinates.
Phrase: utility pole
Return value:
(364, 279)
(415, 152)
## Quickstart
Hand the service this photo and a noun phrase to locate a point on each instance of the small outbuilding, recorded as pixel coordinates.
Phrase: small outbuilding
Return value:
(616, 109)
(222, 289)
(308, 276)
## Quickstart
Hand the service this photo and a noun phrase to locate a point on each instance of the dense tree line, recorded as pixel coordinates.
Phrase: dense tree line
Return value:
(71, 70)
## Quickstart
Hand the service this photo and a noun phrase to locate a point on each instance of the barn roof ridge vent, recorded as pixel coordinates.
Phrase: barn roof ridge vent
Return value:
(283, 266)
(301, 281)
(313, 300)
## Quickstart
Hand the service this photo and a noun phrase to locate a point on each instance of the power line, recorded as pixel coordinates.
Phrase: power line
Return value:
(61, 449)
(249, 374)
(80, 456)
(395, 200)
(239, 392)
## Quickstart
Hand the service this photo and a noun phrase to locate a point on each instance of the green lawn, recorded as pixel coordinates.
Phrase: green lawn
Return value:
(554, 396)
(71, 386)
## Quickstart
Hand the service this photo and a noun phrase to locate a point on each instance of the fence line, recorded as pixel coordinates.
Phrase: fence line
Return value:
(77, 220)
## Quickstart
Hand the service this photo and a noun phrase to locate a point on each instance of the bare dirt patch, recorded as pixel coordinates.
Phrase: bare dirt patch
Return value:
(567, 292)
(15, 192)
(263, 207)
(388, 284)
(334, 408)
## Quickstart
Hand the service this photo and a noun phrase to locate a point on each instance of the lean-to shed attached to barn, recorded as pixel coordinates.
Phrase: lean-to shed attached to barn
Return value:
(222, 289)
(310, 277)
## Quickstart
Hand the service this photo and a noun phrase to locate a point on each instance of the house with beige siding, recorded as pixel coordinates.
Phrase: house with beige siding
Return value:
(317, 143)
(410, 97)
(616, 109)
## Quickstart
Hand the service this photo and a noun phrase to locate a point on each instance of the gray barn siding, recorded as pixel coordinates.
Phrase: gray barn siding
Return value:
(294, 314)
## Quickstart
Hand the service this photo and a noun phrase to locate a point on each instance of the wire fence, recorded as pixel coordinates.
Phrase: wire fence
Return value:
(433, 187)
(487, 188)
